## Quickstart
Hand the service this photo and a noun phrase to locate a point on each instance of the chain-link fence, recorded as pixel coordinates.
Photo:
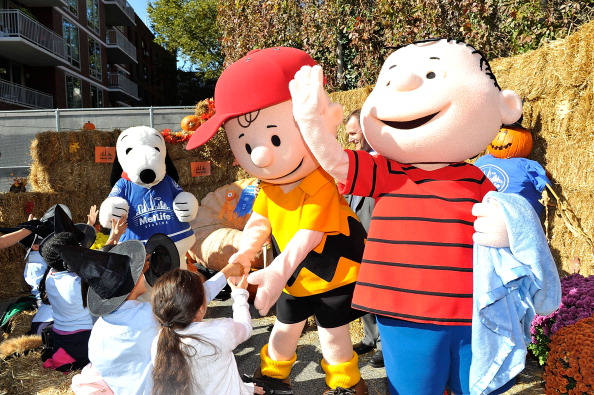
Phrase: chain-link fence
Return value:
(18, 129)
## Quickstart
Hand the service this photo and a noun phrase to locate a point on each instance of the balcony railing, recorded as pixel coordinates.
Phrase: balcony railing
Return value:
(14, 23)
(43, 3)
(118, 81)
(125, 7)
(117, 38)
(23, 96)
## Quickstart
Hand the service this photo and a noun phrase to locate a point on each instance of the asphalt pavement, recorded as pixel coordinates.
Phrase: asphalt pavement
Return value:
(307, 375)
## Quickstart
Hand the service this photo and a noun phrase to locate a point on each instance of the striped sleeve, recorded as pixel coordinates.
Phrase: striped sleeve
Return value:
(362, 176)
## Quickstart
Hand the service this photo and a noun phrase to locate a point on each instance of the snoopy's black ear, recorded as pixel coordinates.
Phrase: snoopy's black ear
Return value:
(116, 171)
(170, 169)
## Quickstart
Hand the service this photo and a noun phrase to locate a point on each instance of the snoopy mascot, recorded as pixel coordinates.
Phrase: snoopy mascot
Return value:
(145, 190)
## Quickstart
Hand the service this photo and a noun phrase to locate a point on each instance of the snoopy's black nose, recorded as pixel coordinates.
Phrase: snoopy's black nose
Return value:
(147, 176)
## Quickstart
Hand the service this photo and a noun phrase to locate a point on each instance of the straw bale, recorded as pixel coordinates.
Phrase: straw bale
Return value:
(26, 375)
(19, 325)
(556, 83)
(12, 212)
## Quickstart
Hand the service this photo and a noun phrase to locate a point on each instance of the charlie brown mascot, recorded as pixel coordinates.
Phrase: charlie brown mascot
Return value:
(436, 103)
(317, 239)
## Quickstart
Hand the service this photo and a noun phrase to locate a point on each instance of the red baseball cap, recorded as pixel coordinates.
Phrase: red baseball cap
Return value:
(258, 80)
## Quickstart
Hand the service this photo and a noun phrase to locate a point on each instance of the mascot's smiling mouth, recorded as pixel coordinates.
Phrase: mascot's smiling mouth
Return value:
(288, 174)
(415, 123)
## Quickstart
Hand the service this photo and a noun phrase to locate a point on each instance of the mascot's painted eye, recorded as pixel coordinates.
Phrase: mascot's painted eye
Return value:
(275, 140)
(248, 149)
(128, 150)
(157, 148)
(430, 75)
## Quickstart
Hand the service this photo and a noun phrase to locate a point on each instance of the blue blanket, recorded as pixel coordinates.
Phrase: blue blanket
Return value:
(511, 285)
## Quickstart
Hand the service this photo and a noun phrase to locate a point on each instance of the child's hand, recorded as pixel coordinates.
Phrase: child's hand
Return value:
(117, 230)
(234, 269)
(242, 284)
(92, 216)
(119, 227)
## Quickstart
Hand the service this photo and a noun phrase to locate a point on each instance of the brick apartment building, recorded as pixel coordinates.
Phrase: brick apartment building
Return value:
(80, 54)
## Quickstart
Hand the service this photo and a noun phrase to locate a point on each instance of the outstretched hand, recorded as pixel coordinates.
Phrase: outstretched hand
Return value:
(242, 283)
(92, 216)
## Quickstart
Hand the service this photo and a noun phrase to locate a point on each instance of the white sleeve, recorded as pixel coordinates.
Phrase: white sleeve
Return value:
(214, 285)
(242, 318)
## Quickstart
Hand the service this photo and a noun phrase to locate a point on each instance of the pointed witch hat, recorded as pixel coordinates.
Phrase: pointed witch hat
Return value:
(85, 234)
(111, 275)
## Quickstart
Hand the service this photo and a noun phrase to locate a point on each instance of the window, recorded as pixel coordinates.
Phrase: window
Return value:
(96, 97)
(70, 33)
(93, 14)
(94, 58)
(73, 92)
(73, 6)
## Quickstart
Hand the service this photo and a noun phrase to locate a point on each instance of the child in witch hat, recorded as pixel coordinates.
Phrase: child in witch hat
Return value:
(119, 346)
(30, 234)
(62, 288)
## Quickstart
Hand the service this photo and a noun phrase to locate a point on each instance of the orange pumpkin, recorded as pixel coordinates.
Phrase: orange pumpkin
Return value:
(190, 123)
(88, 126)
(511, 142)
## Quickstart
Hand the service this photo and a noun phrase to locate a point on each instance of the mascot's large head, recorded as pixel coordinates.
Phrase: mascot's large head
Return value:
(436, 102)
(253, 101)
(141, 157)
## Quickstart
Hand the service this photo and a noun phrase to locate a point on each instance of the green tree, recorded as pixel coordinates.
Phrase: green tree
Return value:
(189, 27)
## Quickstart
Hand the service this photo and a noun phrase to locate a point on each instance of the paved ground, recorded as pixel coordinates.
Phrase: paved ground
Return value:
(307, 375)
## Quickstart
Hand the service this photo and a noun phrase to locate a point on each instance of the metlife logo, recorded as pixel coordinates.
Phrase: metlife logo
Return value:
(152, 213)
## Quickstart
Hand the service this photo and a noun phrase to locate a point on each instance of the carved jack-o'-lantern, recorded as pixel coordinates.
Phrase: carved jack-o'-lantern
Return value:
(511, 142)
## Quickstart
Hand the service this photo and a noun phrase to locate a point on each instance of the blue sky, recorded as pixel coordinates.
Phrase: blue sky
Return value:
(140, 9)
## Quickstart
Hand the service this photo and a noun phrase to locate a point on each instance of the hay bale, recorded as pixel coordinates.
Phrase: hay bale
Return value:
(556, 84)
(13, 211)
(26, 375)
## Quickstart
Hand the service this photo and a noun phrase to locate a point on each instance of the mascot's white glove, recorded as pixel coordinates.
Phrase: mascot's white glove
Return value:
(185, 206)
(272, 280)
(112, 208)
(490, 226)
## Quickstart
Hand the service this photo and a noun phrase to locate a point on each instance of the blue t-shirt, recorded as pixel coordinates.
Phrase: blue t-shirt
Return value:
(522, 176)
(151, 210)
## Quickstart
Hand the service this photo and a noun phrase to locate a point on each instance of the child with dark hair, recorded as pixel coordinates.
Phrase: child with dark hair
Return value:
(191, 356)
(73, 322)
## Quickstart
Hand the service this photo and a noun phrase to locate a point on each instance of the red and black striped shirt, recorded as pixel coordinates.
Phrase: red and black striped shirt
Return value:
(417, 263)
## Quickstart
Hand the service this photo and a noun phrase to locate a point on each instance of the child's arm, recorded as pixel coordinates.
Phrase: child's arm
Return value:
(14, 237)
(241, 310)
(216, 283)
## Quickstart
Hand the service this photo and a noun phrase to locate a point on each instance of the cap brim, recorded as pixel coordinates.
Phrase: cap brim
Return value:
(137, 253)
(207, 130)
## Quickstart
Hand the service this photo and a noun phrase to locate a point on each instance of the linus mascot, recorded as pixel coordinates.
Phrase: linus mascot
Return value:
(318, 241)
(436, 104)
(145, 190)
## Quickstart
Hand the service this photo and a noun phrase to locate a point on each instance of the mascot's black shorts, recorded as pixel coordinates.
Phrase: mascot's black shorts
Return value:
(331, 309)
